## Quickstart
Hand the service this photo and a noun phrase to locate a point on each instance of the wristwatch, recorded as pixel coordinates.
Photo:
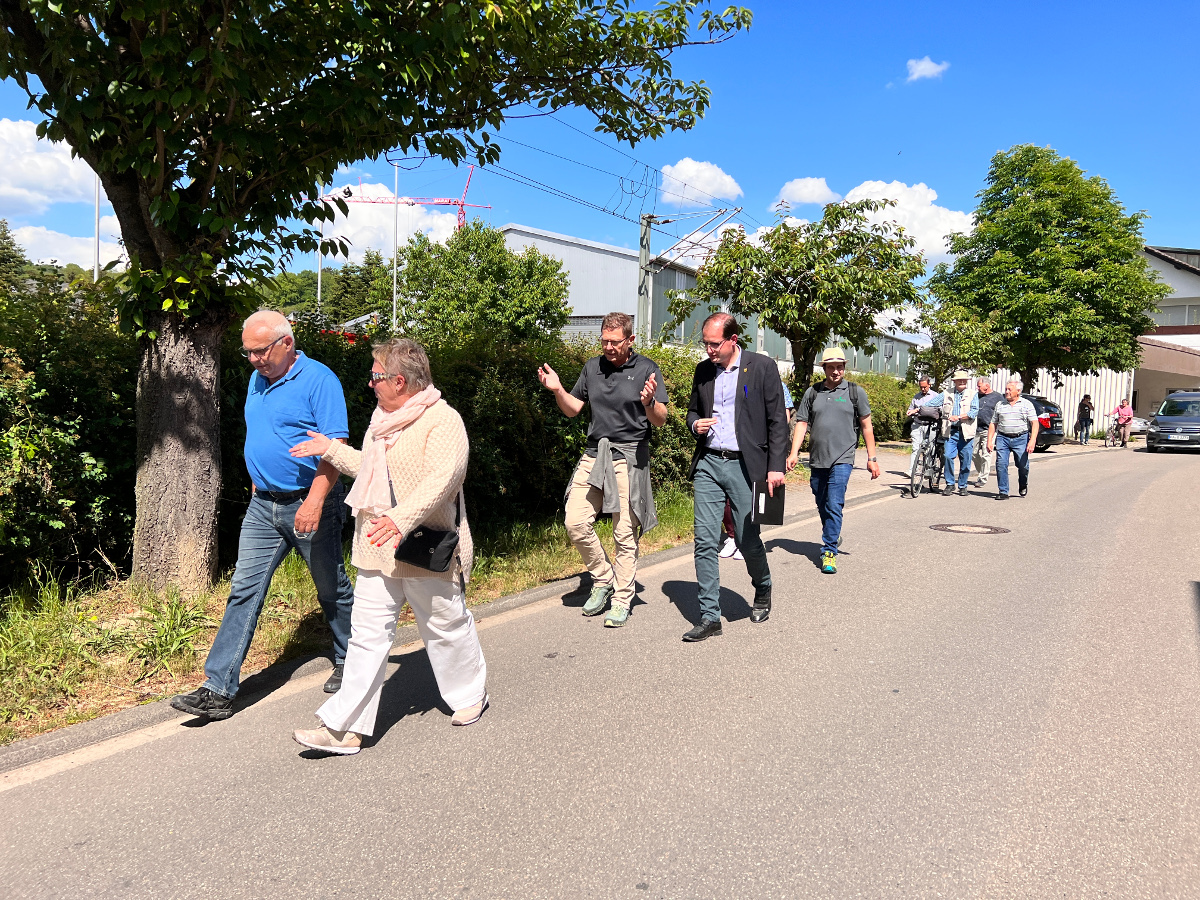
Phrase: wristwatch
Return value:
(872, 459)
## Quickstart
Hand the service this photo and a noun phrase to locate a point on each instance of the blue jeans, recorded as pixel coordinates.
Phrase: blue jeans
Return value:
(267, 535)
(1019, 447)
(1085, 431)
(829, 487)
(961, 449)
(718, 479)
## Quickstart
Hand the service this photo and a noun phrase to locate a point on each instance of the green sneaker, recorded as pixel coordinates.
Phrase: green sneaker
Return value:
(829, 563)
(601, 594)
(617, 616)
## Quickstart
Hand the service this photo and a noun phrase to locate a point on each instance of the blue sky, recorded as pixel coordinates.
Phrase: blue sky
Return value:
(812, 91)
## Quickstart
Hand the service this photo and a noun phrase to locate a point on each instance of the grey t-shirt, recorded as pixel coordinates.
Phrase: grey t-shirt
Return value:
(832, 422)
(987, 406)
(615, 395)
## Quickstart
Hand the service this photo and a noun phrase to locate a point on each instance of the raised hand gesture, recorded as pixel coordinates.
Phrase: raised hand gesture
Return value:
(649, 390)
(549, 378)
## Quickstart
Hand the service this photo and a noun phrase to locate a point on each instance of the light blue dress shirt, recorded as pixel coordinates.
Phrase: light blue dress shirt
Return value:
(723, 435)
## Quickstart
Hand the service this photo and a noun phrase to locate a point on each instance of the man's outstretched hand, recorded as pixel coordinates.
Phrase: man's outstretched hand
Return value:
(549, 378)
(649, 390)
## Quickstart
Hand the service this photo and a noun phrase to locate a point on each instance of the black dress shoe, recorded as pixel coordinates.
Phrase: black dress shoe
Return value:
(334, 684)
(1002, 496)
(204, 703)
(946, 492)
(703, 631)
(762, 608)
(1024, 491)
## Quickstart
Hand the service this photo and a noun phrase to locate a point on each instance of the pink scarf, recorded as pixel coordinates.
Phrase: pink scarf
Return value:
(372, 490)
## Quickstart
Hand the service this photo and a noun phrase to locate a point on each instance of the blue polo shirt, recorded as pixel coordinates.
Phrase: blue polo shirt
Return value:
(280, 415)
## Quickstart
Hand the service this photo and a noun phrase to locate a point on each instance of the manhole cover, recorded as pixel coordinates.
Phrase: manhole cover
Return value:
(970, 529)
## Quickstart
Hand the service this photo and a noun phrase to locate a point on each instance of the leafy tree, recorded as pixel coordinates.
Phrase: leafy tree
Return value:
(959, 340)
(473, 284)
(13, 261)
(352, 289)
(212, 126)
(291, 291)
(809, 281)
(1053, 270)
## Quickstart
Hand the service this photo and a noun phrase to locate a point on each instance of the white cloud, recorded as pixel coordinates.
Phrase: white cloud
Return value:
(915, 210)
(806, 190)
(925, 68)
(35, 173)
(692, 183)
(371, 224)
(43, 245)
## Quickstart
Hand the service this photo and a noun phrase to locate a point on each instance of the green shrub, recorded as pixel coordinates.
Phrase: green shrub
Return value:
(888, 396)
(169, 624)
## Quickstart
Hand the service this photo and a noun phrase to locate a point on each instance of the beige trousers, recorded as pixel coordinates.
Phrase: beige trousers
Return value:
(583, 506)
(982, 458)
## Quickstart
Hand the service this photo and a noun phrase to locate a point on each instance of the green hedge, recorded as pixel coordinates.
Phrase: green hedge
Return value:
(889, 399)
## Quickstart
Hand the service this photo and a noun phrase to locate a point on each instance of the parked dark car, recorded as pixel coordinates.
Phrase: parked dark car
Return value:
(1177, 422)
(1050, 422)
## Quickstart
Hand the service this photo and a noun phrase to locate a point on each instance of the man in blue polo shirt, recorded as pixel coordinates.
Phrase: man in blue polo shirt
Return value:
(298, 504)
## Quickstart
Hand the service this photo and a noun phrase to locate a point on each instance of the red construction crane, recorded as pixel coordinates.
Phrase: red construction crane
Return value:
(347, 194)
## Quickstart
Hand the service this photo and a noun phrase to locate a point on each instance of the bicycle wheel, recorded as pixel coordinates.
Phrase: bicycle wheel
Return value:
(1110, 437)
(936, 468)
(918, 474)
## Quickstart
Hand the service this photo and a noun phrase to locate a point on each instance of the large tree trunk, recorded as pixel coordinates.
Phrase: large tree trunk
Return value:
(179, 453)
(804, 357)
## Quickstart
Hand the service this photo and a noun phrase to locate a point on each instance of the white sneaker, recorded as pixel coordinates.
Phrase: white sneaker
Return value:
(737, 554)
(728, 549)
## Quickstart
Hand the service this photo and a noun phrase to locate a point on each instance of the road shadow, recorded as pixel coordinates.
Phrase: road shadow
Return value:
(808, 549)
(411, 690)
(684, 595)
(576, 598)
(262, 685)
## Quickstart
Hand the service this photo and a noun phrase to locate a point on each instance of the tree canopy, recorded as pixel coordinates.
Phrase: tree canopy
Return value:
(1052, 275)
(473, 284)
(212, 126)
(808, 281)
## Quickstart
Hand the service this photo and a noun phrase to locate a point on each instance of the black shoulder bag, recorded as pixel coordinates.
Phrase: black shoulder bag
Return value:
(429, 548)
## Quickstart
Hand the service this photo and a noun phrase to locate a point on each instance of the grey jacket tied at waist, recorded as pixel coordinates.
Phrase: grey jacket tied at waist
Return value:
(604, 479)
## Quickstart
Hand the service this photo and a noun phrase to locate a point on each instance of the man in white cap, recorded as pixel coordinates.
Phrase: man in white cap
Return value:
(833, 412)
(960, 407)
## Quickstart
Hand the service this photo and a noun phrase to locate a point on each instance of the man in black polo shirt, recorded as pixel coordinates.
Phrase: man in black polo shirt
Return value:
(627, 396)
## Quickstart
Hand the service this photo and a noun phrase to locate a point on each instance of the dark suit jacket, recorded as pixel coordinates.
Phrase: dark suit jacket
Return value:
(760, 418)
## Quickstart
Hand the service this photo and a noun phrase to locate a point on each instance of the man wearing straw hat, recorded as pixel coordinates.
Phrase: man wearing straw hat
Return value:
(959, 411)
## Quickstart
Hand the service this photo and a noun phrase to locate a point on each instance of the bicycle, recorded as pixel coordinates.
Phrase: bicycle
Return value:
(1112, 434)
(928, 466)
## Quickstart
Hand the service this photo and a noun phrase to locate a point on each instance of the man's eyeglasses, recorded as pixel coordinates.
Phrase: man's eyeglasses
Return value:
(377, 377)
(614, 343)
(713, 345)
(262, 351)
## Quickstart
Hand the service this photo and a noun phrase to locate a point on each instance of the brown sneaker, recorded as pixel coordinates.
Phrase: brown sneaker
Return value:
(329, 741)
(471, 714)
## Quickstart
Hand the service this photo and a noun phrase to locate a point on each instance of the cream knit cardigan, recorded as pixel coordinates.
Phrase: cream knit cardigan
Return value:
(427, 466)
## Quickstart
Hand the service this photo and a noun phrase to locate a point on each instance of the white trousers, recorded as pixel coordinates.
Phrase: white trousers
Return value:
(445, 625)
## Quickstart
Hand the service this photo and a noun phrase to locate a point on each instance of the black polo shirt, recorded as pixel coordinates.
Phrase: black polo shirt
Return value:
(615, 395)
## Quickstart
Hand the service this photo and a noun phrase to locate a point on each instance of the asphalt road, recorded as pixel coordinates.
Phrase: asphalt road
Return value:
(952, 715)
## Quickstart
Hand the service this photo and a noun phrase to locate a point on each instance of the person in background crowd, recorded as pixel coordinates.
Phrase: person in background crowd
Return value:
(409, 473)
(833, 411)
(959, 409)
(1013, 431)
(736, 412)
(1084, 419)
(1124, 414)
(987, 407)
(627, 394)
(729, 547)
(922, 430)
(296, 504)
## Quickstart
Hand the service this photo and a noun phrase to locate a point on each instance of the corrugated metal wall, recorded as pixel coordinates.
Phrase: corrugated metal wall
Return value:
(1107, 389)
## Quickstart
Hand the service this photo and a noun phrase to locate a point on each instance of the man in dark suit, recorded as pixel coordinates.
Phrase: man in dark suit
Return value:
(737, 414)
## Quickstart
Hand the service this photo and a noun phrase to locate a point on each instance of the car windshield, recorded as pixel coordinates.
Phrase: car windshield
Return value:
(1188, 407)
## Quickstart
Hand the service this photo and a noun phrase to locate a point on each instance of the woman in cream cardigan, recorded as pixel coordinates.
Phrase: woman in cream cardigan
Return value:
(409, 473)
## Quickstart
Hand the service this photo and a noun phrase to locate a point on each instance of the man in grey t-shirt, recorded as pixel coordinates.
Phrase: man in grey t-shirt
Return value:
(832, 412)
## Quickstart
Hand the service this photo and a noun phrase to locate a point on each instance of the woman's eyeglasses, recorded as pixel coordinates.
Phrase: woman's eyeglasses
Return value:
(377, 377)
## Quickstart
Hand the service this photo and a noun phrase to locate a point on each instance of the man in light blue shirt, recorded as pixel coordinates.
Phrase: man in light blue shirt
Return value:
(298, 504)
(960, 408)
(923, 430)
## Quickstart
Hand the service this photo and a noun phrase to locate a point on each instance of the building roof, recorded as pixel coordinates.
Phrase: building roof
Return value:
(595, 245)
(1180, 257)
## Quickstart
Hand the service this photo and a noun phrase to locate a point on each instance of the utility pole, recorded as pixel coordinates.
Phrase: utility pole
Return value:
(395, 240)
(321, 241)
(642, 320)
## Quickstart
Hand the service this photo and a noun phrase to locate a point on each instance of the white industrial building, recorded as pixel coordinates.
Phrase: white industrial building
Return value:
(604, 279)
